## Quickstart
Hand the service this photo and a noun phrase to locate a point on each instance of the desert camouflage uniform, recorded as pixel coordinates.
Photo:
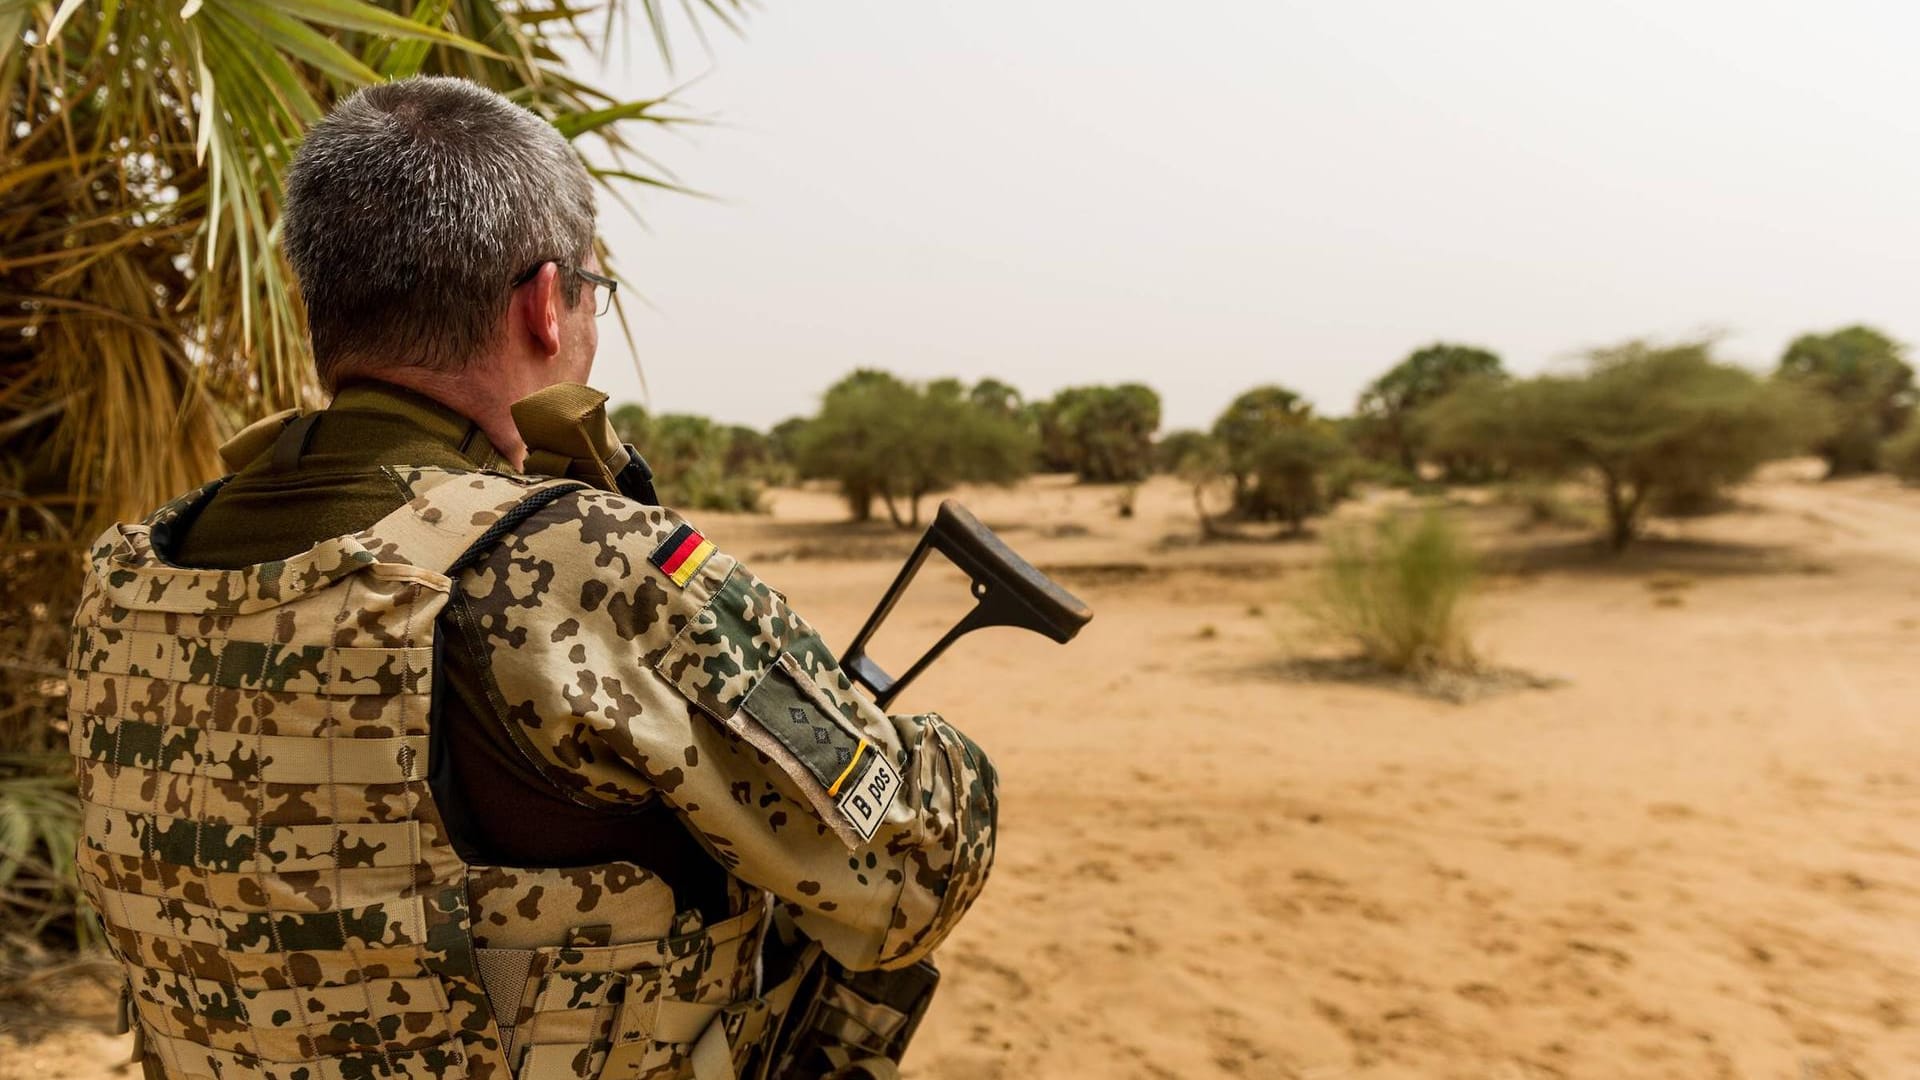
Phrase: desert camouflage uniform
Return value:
(265, 850)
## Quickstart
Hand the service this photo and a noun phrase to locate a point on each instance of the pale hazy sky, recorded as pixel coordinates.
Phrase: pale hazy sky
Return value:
(1208, 195)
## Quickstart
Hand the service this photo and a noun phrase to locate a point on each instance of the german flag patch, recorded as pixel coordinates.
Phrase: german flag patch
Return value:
(682, 555)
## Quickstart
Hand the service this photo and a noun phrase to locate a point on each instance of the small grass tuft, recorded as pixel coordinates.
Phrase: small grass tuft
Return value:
(1399, 595)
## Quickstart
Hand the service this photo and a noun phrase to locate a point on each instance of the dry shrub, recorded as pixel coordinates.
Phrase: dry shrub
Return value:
(1399, 594)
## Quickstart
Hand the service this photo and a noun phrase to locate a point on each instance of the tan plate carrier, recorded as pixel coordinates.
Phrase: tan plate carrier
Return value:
(264, 850)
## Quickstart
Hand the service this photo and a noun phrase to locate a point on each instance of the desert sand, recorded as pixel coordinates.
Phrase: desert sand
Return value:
(1694, 857)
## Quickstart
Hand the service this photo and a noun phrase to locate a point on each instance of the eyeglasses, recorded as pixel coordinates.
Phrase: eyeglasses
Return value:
(607, 285)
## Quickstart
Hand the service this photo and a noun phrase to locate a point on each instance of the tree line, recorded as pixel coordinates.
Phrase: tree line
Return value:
(889, 443)
(1653, 428)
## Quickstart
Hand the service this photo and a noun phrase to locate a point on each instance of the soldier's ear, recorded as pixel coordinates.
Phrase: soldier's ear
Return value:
(540, 302)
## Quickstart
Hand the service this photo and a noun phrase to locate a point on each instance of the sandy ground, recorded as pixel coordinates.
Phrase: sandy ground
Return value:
(1695, 858)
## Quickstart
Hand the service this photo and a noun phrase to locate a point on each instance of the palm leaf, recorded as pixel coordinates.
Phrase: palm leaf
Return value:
(39, 833)
(147, 307)
(364, 17)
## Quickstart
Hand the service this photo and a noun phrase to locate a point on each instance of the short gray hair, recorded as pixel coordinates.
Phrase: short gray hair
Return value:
(409, 211)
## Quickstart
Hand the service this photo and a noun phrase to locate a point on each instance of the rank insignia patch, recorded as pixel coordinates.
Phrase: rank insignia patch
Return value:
(682, 555)
(846, 778)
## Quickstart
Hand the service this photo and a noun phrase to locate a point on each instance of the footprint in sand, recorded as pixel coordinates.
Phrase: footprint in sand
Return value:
(1098, 870)
(1482, 994)
(1552, 845)
(1008, 984)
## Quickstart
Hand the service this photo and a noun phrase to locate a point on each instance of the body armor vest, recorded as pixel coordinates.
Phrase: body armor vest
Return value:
(263, 847)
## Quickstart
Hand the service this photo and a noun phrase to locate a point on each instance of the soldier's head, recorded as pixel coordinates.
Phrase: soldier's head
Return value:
(437, 227)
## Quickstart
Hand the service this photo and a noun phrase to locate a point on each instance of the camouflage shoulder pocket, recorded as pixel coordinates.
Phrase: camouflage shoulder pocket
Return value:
(750, 662)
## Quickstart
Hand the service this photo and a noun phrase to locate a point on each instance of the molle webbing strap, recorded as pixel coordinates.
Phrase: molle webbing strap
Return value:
(510, 520)
(453, 516)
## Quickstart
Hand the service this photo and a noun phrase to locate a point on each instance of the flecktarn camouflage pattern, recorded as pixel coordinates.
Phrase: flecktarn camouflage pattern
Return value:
(265, 851)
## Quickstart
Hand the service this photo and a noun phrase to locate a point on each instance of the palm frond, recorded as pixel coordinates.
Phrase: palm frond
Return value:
(39, 831)
(145, 309)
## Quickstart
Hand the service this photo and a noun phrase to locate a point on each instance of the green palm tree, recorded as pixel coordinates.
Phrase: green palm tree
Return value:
(144, 306)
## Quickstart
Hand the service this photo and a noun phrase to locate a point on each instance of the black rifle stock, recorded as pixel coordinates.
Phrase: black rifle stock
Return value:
(1008, 591)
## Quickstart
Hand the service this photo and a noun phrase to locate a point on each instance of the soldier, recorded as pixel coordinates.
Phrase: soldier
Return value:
(399, 762)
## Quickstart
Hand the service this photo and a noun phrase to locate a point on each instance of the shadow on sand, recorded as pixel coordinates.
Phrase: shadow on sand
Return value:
(1650, 556)
(1452, 687)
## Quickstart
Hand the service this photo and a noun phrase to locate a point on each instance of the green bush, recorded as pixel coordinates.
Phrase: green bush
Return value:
(1278, 456)
(884, 438)
(1387, 418)
(699, 464)
(1900, 455)
(1346, 476)
(1863, 378)
(1290, 470)
(1176, 449)
(1102, 434)
(1398, 592)
(784, 442)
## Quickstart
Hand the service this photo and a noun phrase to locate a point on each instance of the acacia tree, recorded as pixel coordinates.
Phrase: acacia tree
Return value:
(954, 439)
(883, 438)
(850, 440)
(1863, 376)
(1389, 409)
(1640, 421)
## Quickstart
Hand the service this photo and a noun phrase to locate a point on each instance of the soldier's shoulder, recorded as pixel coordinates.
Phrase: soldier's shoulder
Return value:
(592, 516)
(591, 533)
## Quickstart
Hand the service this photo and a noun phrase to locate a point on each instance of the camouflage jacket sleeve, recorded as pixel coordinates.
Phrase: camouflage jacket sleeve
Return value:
(627, 682)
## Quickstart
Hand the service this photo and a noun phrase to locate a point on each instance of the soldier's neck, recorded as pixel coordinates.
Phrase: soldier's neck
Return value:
(473, 394)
